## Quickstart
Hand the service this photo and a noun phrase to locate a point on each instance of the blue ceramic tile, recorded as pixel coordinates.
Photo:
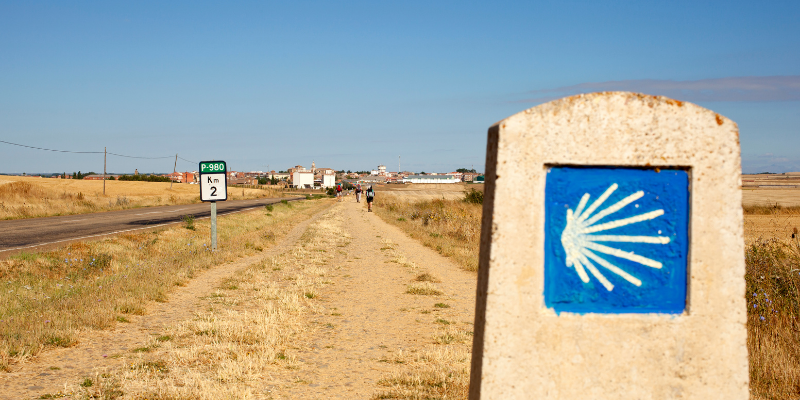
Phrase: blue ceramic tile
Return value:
(616, 240)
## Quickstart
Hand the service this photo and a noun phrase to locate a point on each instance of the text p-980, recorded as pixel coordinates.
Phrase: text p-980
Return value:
(214, 166)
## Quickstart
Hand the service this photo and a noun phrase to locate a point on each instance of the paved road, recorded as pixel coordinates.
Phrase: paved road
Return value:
(19, 234)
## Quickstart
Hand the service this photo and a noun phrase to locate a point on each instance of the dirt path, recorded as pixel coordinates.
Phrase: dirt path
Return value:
(99, 350)
(370, 320)
(325, 315)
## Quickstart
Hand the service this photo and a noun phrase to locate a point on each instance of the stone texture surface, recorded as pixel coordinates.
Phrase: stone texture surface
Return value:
(522, 349)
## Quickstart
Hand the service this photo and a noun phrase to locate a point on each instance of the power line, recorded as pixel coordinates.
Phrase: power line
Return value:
(146, 158)
(59, 151)
(91, 152)
(193, 162)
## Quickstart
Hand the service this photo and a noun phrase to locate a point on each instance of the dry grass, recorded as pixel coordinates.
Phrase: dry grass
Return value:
(423, 288)
(22, 197)
(253, 327)
(47, 299)
(451, 227)
(426, 277)
(438, 373)
(774, 209)
(773, 318)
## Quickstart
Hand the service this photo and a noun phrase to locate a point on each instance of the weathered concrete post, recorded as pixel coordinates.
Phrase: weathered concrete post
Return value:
(612, 255)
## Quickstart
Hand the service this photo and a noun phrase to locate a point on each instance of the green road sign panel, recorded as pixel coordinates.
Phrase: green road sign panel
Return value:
(211, 167)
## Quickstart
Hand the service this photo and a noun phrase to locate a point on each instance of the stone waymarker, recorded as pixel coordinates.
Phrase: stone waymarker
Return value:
(612, 255)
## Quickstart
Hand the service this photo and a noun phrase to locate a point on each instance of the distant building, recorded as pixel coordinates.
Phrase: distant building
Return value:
(431, 179)
(328, 178)
(470, 176)
(303, 179)
(281, 176)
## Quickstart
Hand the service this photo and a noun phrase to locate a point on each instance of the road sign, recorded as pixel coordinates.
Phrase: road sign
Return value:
(213, 181)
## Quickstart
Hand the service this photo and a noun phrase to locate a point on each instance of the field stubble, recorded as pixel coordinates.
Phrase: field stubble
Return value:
(22, 197)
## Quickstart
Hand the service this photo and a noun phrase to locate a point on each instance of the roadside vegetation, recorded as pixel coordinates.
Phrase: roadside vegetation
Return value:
(451, 227)
(47, 299)
(22, 197)
(773, 318)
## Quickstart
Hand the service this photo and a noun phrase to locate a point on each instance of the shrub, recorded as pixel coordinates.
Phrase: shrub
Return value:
(473, 196)
(188, 221)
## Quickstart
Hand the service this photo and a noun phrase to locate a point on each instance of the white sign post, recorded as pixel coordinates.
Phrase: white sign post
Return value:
(213, 188)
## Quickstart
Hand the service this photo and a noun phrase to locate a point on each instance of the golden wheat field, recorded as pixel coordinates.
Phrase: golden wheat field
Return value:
(28, 197)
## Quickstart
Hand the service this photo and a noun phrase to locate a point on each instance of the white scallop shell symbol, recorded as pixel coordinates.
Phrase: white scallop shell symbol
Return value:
(580, 246)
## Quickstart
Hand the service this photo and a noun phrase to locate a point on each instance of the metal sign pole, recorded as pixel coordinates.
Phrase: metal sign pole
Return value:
(213, 188)
(213, 226)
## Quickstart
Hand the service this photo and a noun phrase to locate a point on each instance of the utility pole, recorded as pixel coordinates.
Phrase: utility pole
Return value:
(174, 169)
(105, 158)
(398, 166)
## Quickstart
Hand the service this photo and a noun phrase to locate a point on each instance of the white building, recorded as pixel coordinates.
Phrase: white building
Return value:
(303, 179)
(328, 178)
(430, 179)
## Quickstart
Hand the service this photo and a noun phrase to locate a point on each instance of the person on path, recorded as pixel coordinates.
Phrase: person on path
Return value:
(370, 197)
(339, 192)
(358, 193)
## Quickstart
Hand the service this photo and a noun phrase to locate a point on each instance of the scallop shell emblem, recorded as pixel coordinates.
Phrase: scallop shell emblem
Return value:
(586, 230)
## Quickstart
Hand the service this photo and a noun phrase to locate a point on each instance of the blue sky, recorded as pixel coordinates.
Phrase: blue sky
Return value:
(353, 85)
